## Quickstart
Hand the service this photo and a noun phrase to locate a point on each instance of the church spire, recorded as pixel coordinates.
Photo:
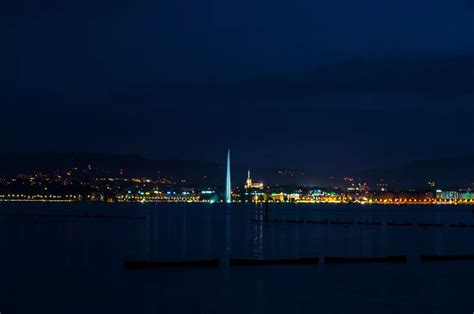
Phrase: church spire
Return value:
(248, 182)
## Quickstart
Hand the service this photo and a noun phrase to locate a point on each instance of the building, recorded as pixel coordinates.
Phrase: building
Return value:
(252, 185)
(447, 195)
(466, 195)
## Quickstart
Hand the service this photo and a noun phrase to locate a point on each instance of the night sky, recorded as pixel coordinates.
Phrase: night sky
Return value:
(326, 85)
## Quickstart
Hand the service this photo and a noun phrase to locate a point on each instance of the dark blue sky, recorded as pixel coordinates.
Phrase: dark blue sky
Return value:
(328, 85)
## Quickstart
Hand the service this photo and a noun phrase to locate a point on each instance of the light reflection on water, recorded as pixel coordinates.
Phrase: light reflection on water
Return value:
(258, 238)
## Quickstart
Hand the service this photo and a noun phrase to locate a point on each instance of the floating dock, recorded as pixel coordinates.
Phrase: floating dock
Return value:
(461, 225)
(441, 258)
(364, 223)
(325, 222)
(400, 224)
(363, 260)
(286, 261)
(100, 216)
(379, 223)
(141, 264)
(336, 222)
(429, 225)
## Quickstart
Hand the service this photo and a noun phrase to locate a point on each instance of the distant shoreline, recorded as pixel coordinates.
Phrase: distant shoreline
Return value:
(460, 203)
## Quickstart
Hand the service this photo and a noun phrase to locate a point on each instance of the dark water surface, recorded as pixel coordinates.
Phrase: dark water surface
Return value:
(61, 264)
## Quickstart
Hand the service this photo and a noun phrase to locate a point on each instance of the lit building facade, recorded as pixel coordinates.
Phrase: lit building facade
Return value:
(252, 185)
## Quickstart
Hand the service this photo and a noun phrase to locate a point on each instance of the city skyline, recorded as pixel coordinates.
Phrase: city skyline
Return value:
(450, 172)
(92, 183)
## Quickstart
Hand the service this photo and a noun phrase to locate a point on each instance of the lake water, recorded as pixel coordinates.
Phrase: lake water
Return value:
(69, 263)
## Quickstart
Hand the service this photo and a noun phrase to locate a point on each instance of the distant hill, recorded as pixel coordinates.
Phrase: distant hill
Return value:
(434, 75)
(447, 173)
(195, 172)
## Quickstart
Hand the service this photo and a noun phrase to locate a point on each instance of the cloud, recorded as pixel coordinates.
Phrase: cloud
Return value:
(424, 75)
